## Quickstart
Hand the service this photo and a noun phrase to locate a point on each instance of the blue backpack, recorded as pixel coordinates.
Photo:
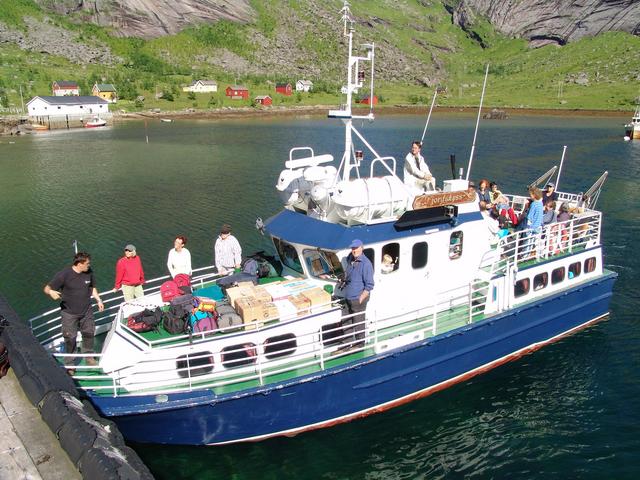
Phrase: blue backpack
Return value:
(203, 321)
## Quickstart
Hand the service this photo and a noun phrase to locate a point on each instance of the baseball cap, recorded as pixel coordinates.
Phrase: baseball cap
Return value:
(356, 243)
(551, 184)
(130, 247)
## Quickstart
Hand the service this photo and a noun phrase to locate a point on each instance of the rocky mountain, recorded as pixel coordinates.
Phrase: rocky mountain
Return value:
(560, 21)
(151, 18)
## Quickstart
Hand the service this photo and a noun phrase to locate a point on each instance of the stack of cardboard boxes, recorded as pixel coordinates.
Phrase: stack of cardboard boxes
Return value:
(257, 304)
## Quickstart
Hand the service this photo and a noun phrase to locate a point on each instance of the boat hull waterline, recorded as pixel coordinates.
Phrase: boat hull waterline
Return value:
(362, 387)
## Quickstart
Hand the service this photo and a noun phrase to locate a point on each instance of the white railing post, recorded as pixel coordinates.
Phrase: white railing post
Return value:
(570, 239)
(259, 361)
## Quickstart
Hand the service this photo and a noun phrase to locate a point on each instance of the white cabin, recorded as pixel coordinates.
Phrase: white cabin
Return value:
(304, 86)
(50, 106)
(201, 86)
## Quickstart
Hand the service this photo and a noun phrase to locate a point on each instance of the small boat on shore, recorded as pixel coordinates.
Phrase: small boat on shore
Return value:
(166, 120)
(279, 356)
(632, 129)
(95, 122)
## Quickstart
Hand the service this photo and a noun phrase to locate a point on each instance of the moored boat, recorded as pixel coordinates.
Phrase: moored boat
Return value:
(456, 302)
(632, 129)
(95, 122)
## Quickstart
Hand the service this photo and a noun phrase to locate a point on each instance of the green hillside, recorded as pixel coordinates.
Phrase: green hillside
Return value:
(593, 73)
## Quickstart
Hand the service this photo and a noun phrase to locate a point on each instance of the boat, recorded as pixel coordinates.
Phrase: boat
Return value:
(37, 127)
(95, 122)
(457, 302)
(632, 129)
(166, 120)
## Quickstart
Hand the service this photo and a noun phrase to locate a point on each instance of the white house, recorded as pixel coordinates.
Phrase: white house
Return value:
(201, 86)
(304, 86)
(52, 106)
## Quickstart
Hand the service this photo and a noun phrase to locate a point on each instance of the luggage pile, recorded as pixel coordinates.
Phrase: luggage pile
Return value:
(258, 304)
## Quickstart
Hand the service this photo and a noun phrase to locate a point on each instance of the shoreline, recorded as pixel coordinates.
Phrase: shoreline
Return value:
(321, 110)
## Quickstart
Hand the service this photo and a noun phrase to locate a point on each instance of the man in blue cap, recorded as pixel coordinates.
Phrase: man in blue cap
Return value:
(358, 286)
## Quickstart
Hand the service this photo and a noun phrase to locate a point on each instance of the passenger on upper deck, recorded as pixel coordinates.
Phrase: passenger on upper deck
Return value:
(492, 223)
(416, 172)
(179, 260)
(564, 214)
(549, 193)
(227, 251)
(549, 215)
(484, 195)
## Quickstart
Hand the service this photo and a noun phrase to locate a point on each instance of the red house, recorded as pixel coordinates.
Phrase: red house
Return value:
(283, 88)
(237, 92)
(366, 100)
(265, 100)
(63, 88)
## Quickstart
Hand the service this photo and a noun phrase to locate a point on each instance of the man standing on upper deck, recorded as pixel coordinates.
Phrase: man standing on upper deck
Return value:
(227, 251)
(75, 285)
(416, 172)
(358, 285)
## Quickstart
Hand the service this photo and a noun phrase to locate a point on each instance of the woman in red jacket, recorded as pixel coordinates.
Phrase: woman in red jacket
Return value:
(129, 274)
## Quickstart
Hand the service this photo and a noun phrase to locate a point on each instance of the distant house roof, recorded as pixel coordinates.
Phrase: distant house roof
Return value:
(66, 84)
(204, 82)
(282, 85)
(306, 83)
(237, 87)
(262, 97)
(105, 87)
(76, 100)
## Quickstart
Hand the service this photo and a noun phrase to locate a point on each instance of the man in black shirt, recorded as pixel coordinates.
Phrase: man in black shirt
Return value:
(549, 193)
(75, 285)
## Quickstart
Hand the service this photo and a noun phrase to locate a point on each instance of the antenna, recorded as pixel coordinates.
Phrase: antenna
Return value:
(473, 146)
(564, 150)
(426, 125)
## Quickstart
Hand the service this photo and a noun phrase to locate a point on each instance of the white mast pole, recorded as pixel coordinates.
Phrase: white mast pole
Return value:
(564, 150)
(348, 32)
(473, 146)
(426, 125)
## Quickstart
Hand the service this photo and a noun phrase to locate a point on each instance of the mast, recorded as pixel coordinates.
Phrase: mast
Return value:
(355, 81)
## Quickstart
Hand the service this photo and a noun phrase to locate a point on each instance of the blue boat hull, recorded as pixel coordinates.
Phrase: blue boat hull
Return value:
(362, 387)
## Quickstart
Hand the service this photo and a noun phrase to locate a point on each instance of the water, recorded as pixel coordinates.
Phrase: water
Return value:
(569, 410)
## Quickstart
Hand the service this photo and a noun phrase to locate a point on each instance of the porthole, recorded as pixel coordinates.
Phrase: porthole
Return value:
(557, 275)
(280, 345)
(521, 287)
(194, 364)
(331, 334)
(589, 265)
(239, 355)
(574, 270)
(540, 281)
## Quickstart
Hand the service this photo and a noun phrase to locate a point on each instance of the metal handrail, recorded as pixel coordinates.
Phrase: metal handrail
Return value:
(316, 357)
(46, 326)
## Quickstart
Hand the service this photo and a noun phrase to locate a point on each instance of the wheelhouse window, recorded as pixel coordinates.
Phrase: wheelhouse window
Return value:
(239, 355)
(521, 287)
(419, 255)
(557, 275)
(280, 346)
(589, 265)
(288, 255)
(370, 254)
(390, 258)
(322, 264)
(194, 364)
(540, 281)
(575, 269)
(455, 245)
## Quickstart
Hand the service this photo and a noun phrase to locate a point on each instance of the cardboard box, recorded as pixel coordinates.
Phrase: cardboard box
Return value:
(254, 313)
(235, 293)
(286, 309)
(261, 294)
(317, 296)
(301, 303)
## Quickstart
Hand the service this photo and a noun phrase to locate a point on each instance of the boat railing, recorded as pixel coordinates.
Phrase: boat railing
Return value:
(250, 362)
(581, 231)
(383, 161)
(46, 326)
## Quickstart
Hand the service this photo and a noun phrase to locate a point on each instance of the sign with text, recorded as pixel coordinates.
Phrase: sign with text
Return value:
(441, 199)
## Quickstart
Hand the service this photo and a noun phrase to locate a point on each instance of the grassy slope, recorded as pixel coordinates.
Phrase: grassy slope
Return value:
(519, 76)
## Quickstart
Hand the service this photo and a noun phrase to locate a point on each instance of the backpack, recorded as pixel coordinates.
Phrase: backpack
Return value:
(206, 304)
(175, 324)
(182, 280)
(250, 266)
(183, 304)
(145, 321)
(204, 322)
(169, 290)
(227, 322)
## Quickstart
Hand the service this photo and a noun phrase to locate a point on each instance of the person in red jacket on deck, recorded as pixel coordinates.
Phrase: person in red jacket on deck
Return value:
(129, 274)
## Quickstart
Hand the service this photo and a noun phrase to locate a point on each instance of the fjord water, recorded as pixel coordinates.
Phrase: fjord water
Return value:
(569, 410)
